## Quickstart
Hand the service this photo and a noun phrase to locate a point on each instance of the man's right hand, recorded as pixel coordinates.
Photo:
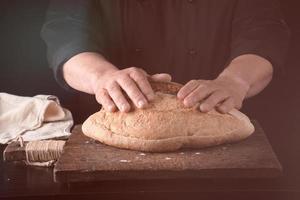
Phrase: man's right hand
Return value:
(110, 88)
(91, 73)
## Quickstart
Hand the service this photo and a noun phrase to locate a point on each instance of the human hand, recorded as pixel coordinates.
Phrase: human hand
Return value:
(112, 87)
(224, 93)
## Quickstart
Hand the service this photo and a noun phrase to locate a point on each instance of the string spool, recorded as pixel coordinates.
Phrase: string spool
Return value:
(43, 153)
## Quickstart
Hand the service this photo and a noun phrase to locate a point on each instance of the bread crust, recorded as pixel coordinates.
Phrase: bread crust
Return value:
(166, 125)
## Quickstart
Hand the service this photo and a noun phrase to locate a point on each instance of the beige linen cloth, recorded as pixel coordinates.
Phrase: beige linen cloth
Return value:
(34, 118)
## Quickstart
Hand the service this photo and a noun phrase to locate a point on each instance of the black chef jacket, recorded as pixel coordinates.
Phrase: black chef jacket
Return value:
(190, 39)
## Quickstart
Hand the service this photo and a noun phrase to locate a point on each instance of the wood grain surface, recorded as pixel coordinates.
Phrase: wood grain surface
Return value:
(85, 159)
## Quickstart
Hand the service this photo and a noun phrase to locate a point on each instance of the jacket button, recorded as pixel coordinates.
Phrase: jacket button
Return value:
(192, 51)
(138, 50)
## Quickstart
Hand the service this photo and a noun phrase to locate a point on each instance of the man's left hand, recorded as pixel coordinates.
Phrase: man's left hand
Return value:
(223, 93)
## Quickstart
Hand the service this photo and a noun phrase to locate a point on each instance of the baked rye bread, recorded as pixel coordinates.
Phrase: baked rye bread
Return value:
(166, 125)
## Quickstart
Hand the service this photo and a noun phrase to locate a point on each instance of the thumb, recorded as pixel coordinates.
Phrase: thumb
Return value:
(161, 77)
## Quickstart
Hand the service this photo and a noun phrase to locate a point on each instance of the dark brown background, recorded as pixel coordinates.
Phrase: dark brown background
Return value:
(24, 71)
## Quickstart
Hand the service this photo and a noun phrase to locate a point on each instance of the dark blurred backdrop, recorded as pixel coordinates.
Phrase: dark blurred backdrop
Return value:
(24, 71)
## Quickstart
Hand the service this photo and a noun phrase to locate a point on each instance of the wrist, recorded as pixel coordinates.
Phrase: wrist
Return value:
(236, 80)
(100, 73)
(83, 71)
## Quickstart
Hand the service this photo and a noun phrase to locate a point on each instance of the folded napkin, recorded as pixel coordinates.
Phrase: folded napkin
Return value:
(34, 118)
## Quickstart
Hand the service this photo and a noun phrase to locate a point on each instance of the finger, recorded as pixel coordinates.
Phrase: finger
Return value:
(210, 102)
(138, 70)
(161, 77)
(187, 89)
(133, 92)
(104, 99)
(141, 70)
(143, 84)
(226, 106)
(200, 93)
(238, 104)
(117, 96)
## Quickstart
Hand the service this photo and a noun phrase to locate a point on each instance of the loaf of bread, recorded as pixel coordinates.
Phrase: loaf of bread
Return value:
(166, 125)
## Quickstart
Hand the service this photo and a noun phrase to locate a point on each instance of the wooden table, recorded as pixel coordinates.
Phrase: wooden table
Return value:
(85, 159)
(23, 182)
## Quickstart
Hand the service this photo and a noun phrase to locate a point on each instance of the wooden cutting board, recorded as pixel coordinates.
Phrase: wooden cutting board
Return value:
(84, 159)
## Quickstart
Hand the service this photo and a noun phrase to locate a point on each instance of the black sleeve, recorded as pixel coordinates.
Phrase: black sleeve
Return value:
(69, 29)
(259, 28)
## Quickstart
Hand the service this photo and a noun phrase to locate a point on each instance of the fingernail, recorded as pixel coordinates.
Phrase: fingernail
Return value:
(203, 107)
(141, 103)
(179, 96)
(110, 108)
(123, 108)
(223, 110)
(150, 97)
(187, 103)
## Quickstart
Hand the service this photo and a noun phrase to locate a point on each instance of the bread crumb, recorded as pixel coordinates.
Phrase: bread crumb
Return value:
(125, 161)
